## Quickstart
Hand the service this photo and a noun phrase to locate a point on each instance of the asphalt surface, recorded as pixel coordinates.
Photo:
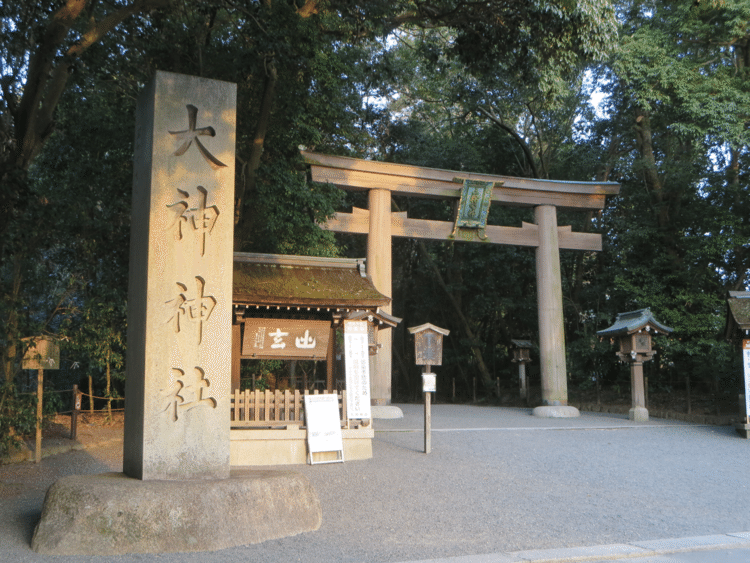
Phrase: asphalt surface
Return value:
(499, 486)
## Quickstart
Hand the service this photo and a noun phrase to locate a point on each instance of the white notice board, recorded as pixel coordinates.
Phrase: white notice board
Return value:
(323, 426)
(357, 363)
(746, 364)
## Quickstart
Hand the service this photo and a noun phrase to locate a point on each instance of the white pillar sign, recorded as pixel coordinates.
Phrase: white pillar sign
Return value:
(357, 361)
(746, 365)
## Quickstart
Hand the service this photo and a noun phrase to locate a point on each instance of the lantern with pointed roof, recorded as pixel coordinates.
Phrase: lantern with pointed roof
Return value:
(634, 330)
(521, 351)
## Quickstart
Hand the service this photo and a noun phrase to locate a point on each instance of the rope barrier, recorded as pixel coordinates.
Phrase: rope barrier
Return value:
(104, 398)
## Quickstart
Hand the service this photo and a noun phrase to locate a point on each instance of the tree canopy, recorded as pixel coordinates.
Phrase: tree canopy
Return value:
(500, 86)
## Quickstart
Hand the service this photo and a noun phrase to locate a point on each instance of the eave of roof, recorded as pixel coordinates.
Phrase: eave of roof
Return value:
(633, 321)
(293, 281)
(739, 308)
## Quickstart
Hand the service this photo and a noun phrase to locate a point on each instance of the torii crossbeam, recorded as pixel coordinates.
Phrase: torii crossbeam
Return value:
(381, 179)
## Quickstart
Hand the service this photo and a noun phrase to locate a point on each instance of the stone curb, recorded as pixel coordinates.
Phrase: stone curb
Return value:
(606, 552)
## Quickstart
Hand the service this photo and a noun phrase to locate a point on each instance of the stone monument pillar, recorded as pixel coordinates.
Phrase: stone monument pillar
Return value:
(180, 288)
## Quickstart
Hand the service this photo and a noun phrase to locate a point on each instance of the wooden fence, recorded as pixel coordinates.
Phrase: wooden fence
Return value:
(274, 409)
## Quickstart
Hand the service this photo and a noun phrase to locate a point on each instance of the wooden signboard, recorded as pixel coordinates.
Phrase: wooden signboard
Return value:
(43, 353)
(323, 427)
(285, 339)
(357, 362)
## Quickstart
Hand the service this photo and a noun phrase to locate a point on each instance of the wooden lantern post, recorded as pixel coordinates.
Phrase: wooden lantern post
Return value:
(634, 330)
(42, 353)
(428, 346)
(521, 356)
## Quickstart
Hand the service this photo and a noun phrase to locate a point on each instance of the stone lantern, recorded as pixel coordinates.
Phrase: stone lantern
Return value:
(521, 356)
(634, 331)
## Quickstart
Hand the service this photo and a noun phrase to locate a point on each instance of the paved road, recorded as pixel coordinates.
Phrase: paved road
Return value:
(499, 486)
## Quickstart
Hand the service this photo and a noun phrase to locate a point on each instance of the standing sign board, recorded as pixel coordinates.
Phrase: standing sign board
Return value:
(746, 365)
(357, 360)
(323, 426)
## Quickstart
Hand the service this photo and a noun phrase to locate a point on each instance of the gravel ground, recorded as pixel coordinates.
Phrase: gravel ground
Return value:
(497, 480)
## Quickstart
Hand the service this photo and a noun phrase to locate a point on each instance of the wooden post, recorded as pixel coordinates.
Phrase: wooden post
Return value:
(498, 389)
(39, 393)
(549, 300)
(687, 388)
(474, 388)
(638, 412)
(522, 378)
(91, 394)
(75, 412)
(236, 356)
(330, 359)
(427, 417)
(454, 388)
(379, 268)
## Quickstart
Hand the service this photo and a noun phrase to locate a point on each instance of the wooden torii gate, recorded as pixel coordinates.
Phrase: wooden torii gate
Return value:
(381, 179)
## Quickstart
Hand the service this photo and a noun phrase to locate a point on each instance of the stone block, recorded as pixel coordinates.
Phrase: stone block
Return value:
(112, 514)
(638, 414)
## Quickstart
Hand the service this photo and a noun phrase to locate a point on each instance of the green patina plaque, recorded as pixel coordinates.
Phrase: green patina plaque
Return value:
(474, 206)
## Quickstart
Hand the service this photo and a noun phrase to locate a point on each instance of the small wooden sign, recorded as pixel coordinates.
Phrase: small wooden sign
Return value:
(43, 353)
(323, 427)
(285, 339)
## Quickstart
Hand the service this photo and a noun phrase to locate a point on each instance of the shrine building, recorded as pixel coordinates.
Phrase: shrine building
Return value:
(295, 308)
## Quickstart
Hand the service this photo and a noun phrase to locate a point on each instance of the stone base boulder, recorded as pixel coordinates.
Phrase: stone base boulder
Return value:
(112, 514)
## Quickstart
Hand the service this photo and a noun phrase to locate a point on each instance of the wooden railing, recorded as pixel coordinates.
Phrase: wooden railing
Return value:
(274, 409)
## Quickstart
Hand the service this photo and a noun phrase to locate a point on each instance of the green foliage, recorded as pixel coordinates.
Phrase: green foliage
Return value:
(492, 87)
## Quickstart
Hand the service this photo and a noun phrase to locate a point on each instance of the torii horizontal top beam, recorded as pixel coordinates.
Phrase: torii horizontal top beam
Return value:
(402, 179)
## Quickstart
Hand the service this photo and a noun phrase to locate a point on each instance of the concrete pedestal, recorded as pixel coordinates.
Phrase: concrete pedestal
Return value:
(386, 411)
(638, 414)
(556, 411)
(743, 429)
(112, 514)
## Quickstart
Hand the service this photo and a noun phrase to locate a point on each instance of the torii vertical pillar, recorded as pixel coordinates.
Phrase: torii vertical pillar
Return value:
(551, 327)
(379, 267)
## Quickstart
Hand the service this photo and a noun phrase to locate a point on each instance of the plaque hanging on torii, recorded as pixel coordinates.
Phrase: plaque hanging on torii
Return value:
(474, 207)
(381, 180)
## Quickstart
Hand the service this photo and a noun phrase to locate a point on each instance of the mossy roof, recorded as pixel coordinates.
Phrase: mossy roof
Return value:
(271, 279)
(738, 315)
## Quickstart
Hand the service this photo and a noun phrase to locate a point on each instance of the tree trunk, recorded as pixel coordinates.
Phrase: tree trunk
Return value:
(244, 220)
(10, 352)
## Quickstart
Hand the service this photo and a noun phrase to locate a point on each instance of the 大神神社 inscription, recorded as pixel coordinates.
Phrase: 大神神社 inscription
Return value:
(180, 294)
